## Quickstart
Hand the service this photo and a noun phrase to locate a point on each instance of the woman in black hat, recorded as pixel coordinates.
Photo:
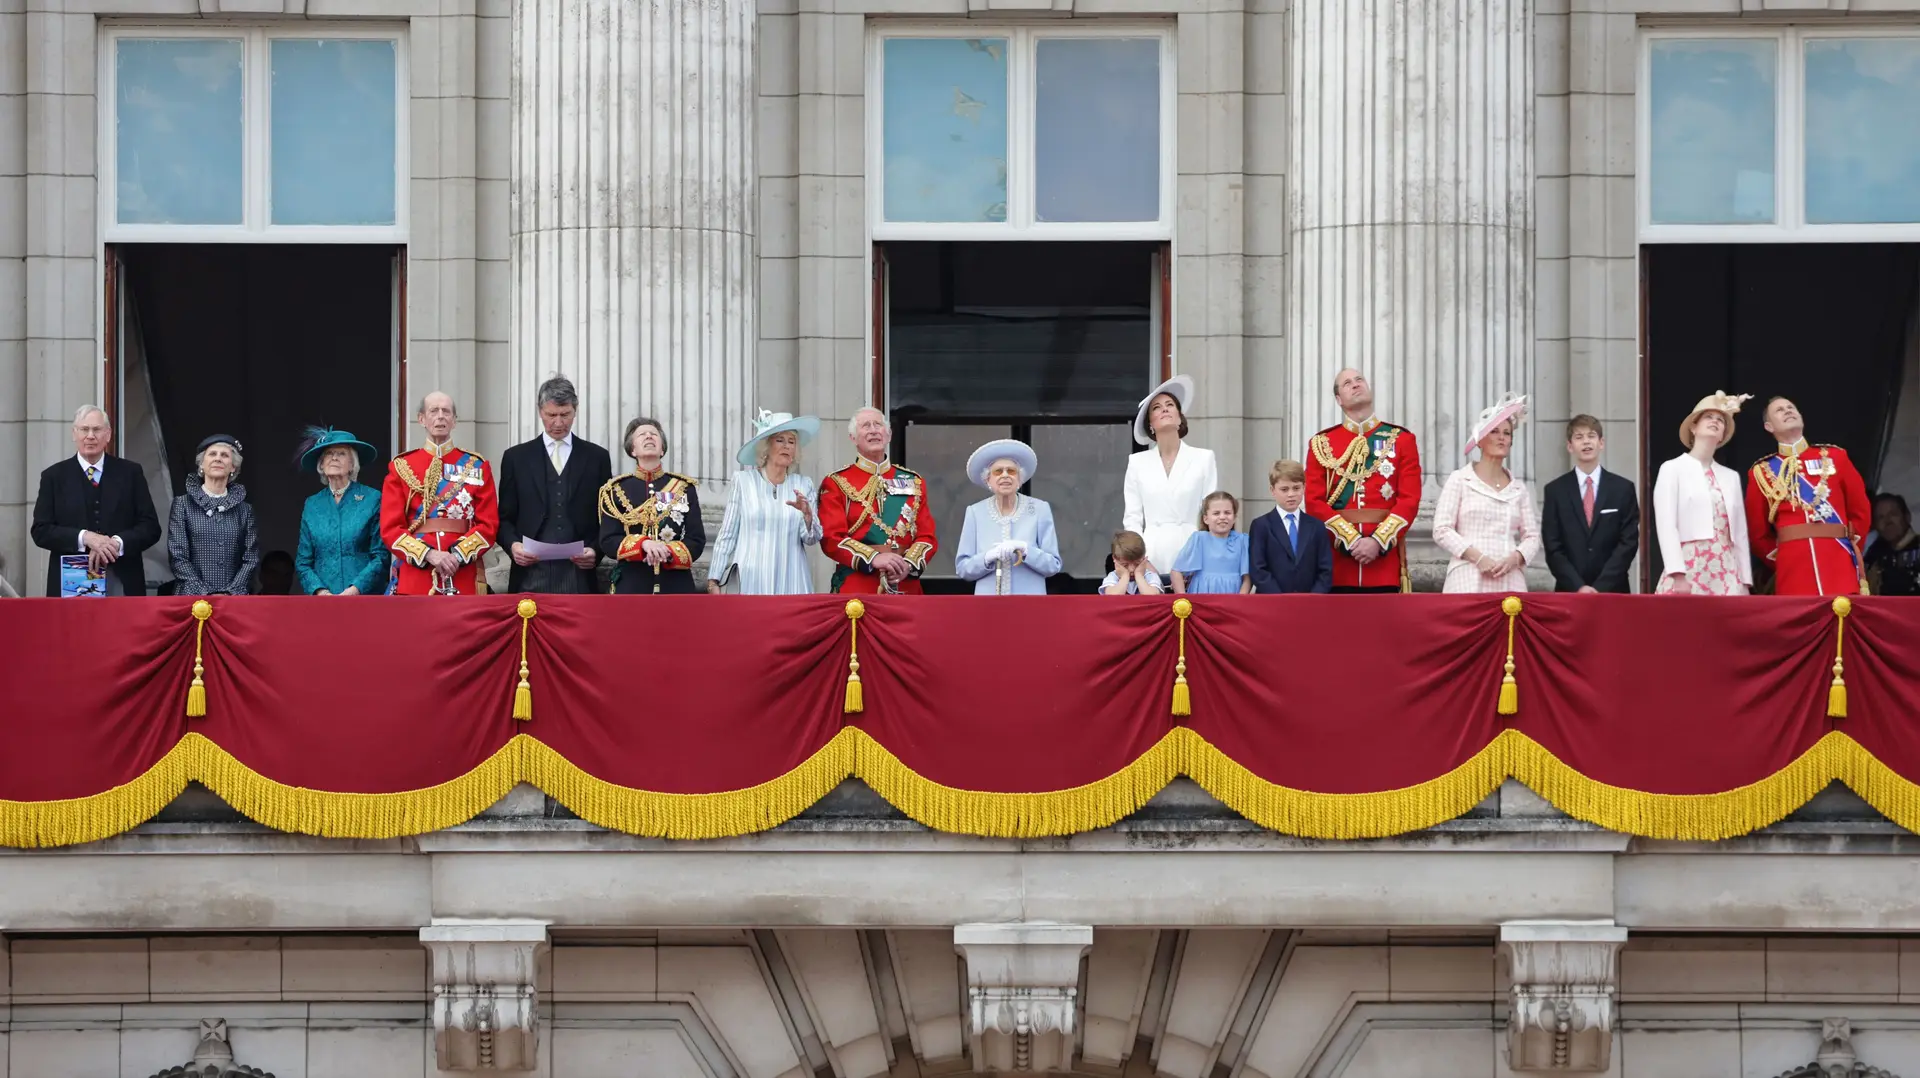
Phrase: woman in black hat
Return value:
(210, 532)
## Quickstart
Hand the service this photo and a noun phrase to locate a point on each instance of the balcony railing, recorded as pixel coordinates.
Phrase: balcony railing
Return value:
(695, 717)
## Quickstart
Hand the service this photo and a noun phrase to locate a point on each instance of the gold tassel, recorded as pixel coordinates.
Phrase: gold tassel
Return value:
(523, 694)
(856, 701)
(1182, 699)
(1837, 692)
(197, 692)
(1509, 690)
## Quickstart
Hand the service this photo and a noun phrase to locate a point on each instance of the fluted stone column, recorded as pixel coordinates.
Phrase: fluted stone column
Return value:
(1410, 214)
(633, 218)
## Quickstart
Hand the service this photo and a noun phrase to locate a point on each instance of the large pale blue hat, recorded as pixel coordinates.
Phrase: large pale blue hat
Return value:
(1011, 449)
(767, 424)
(315, 441)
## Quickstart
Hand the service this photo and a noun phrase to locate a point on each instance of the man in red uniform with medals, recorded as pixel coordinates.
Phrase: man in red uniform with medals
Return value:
(874, 516)
(438, 510)
(1807, 510)
(1363, 480)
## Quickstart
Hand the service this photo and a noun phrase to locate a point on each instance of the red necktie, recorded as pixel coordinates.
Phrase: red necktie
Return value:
(1586, 501)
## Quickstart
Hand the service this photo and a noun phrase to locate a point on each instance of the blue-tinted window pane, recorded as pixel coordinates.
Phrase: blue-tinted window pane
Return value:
(944, 139)
(1863, 141)
(333, 131)
(179, 125)
(1713, 131)
(1096, 138)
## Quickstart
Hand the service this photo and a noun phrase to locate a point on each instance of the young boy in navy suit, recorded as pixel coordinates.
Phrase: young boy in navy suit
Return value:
(1291, 549)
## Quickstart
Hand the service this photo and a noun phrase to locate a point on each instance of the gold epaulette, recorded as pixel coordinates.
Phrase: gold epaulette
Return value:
(688, 480)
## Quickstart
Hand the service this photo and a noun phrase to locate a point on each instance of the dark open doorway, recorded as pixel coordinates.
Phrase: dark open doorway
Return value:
(1051, 343)
(256, 341)
(1830, 325)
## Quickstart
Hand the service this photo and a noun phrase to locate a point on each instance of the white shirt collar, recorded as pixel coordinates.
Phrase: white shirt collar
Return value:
(99, 469)
(1585, 476)
(550, 442)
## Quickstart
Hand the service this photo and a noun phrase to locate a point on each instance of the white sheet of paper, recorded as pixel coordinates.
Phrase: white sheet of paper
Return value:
(552, 551)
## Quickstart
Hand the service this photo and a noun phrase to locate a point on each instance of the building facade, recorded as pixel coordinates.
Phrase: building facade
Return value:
(253, 214)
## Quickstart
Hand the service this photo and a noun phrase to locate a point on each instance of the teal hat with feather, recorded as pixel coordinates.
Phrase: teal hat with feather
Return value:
(317, 440)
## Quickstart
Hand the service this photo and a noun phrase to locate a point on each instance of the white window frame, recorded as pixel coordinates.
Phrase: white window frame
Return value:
(1789, 143)
(256, 126)
(1021, 85)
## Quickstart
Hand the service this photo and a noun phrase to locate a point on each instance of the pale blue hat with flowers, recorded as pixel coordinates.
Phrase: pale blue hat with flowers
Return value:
(767, 424)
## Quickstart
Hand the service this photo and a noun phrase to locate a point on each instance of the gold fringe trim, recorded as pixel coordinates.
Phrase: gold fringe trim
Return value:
(1344, 816)
(690, 816)
(1007, 815)
(852, 752)
(1696, 817)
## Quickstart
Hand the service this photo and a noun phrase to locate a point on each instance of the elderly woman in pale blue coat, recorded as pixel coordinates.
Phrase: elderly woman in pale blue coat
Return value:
(340, 550)
(1007, 545)
(772, 515)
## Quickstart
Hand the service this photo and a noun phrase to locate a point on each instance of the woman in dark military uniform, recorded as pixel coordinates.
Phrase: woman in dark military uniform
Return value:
(650, 520)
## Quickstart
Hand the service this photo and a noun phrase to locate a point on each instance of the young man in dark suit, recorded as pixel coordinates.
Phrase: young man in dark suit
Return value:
(96, 504)
(1291, 551)
(549, 492)
(1590, 518)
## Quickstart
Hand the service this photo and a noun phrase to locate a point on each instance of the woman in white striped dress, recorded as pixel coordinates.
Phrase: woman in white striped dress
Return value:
(772, 513)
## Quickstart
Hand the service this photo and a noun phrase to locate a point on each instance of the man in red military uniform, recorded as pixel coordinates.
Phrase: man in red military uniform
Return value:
(874, 516)
(438, 510)
(1807, 510)
(1363, 480)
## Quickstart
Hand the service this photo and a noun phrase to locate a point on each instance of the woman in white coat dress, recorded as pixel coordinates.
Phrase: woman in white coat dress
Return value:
(1697, 508)
(1166, 483)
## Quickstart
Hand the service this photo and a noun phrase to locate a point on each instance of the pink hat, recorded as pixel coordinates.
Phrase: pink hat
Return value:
(1509, 407)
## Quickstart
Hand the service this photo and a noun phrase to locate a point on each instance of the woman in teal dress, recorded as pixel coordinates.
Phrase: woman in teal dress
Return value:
(1214, 560)
(340, 549)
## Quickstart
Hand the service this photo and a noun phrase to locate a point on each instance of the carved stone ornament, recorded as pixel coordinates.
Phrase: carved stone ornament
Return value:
(1023, 984)
(1560, 1008)
(484, 1004)
(1837, 1058)
(214, 1057)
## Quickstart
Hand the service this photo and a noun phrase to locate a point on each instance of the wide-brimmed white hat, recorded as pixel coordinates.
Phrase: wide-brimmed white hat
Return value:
(767, 424)
(1507, 407)
(1011, 449)
(1717, 401)
(1179, 387)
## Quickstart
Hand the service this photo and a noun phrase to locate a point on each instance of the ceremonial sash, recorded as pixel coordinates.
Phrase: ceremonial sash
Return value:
(1815, 505)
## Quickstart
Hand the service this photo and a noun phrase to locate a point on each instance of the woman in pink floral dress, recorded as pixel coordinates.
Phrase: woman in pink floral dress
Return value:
(1696, 509)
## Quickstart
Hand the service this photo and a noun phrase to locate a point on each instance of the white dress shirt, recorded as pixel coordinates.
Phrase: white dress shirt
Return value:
(558, 451)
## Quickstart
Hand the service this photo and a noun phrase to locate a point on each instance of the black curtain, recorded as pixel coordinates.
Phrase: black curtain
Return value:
(1823, 324)
(257, 341)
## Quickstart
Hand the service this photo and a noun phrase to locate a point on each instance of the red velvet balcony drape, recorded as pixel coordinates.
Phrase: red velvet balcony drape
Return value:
(692, 717)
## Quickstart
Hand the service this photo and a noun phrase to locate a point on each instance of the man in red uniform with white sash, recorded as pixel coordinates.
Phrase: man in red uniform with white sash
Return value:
(1807, 510)
(438, 510)
(1363, 480)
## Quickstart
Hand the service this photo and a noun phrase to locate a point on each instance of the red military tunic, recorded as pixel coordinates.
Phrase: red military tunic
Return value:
(438, 502)
(867, 508)
(1363, 479)
(1807, 511)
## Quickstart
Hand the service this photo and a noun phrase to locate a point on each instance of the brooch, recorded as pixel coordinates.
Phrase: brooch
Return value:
(1386, 469)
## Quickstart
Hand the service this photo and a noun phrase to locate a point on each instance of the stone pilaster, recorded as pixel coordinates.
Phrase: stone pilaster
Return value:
(1560, 1008)
(1411, 214)
(485, 1005)
(1023, 983)
(632, 210)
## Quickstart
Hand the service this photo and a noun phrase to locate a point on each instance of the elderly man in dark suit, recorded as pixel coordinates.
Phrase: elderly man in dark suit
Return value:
(549, 491)
(1590, 522)
(96, 504)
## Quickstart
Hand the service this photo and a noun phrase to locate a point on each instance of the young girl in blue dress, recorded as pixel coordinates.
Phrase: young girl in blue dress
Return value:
(1214, 559)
